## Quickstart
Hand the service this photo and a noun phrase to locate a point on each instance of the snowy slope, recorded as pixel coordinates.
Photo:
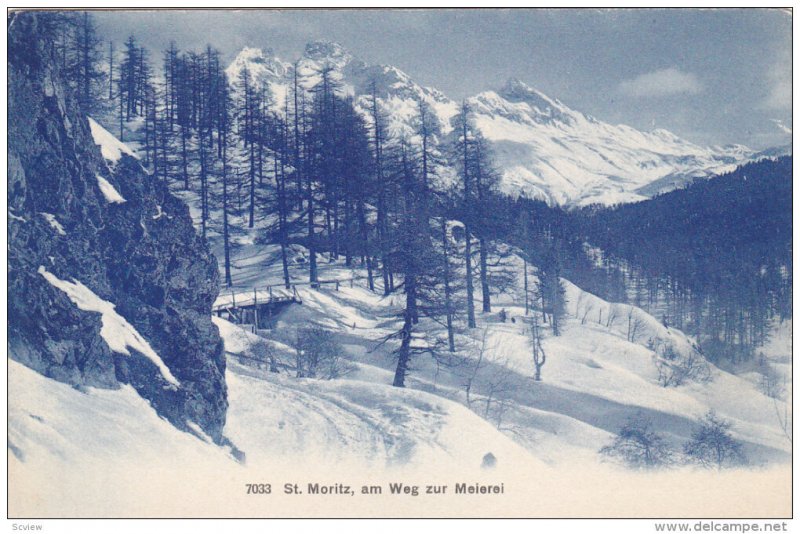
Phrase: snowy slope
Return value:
(68, 449)
(548, 150)
(594, 381)
(543, 148)
(359, 428)
(595, 378)
(126, 461)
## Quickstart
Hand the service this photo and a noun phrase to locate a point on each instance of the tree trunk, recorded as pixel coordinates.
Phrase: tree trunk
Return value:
(280, 182)
(365, 252)
(467, 235)
(185, 159)
(110, 70)
(312, 251)
(121, 123)
(225, 235)
(329, 231)
(470, 289)
(448, 297)
(387, 282)
(525, 281)
(487, 299)
(404, 354)
(252, 211)
(203, 185)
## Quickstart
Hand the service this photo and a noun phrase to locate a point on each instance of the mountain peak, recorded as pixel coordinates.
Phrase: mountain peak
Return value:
(515, 90)
(252, 54)
(515, 84)
(261, 63)
(543, 109)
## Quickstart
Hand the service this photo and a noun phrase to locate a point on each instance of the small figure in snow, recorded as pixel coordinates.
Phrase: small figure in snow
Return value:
(489, 461)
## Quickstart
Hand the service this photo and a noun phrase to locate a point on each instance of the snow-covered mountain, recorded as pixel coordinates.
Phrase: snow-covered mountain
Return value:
(543, 148)
(396, 91)
(548, 150)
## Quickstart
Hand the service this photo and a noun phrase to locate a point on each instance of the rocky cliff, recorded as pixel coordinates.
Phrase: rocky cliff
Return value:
(108, 282)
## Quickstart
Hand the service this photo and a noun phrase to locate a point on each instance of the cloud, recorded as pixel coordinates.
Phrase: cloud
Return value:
(779, 79)
(660, 83)
(780, 95)
(782, 127)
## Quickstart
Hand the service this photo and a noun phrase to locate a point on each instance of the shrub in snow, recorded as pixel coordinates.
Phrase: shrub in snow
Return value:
(489, 381)
(712, 445)
(317, 353)
(638, 446)
(676, 368)
(537, 351)
(771, 382)
(635, 326)
(265, 354)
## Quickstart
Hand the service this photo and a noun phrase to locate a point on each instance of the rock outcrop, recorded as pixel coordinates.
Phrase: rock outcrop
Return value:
(116, 230)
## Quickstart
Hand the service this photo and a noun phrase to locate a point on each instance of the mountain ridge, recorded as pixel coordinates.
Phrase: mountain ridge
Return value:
(543, 148)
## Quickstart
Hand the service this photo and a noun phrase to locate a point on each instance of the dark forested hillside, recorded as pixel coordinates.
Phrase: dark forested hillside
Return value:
(719, 250)
(744, 216)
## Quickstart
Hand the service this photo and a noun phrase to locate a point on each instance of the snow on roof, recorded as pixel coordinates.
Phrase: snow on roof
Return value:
(118, 333)
(108, 190)
(111, 147)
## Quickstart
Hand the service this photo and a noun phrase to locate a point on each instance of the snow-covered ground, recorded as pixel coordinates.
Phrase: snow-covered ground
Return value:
(95, 452)
(594, 375)
(359, 430)
(600, 371)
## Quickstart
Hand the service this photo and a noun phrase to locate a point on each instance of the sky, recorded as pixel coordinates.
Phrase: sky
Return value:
(714, 77)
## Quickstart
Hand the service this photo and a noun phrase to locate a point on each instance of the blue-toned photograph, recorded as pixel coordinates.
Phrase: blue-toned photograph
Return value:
(399, 263)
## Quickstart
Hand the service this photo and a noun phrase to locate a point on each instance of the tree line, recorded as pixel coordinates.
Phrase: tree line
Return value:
(713, 259)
